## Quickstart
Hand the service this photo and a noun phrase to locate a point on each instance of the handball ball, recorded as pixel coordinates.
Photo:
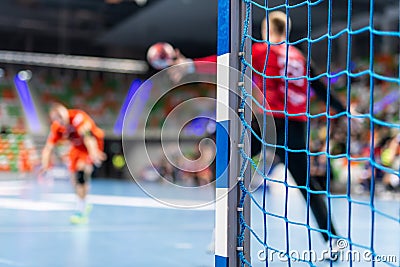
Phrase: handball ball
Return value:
(161, 55)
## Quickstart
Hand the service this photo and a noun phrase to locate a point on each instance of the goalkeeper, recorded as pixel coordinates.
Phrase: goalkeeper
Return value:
(277, 64)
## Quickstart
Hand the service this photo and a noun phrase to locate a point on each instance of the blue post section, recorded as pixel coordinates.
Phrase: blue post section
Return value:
(223, 46)
(221, 261)
(28, 106)
(222, 159)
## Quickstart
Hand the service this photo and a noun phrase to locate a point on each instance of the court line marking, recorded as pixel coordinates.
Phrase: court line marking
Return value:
(12, 188)
(64, 202)
(100, 228)
(12, 183)
(9, 262)
(32, 205)
(142, 202)
(10, 192)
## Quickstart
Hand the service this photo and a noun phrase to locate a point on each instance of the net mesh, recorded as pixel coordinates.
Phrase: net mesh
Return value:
(356, 148)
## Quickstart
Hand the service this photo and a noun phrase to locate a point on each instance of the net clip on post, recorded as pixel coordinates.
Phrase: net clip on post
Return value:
(240, 84)
(239, 209)
(241, 54)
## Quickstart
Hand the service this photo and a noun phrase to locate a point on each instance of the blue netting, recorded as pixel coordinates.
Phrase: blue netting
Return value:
(374, 122)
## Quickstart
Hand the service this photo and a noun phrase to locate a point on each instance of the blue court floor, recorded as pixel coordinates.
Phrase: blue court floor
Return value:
(383, 228)
(128, 228)
(125, 228)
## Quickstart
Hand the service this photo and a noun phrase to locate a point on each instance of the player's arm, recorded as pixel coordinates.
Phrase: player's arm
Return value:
(322, 93)
(202, 65)
(52, 139)
(90, 141)
(184, 66)
(46, 155)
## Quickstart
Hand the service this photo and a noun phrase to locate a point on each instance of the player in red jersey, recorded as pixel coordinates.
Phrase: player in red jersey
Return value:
(87, 144)
(279, 59)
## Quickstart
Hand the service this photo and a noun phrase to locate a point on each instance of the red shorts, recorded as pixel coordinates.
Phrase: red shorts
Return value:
(79, 154)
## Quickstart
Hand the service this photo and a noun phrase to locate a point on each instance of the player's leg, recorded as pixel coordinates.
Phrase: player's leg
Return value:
(256, 145)
(297, 165)
(85, 171)
(82, 170)
(83, 179)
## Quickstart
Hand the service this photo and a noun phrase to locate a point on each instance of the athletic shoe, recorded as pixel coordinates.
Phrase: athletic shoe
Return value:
(88, 209)
(79, 218)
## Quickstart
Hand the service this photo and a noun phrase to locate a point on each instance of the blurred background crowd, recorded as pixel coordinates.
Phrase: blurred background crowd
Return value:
(102, 95)
(125, 29)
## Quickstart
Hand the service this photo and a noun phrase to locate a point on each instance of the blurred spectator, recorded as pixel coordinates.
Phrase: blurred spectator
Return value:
(3, 130)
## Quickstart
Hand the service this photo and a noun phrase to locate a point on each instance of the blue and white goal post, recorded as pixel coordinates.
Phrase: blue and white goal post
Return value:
(232, 244)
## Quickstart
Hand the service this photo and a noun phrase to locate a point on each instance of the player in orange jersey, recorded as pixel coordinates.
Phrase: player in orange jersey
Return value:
(87, 145)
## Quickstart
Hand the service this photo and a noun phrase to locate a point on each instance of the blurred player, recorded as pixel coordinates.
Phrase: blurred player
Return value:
(390, 158)
(294, 65)
(86, 141)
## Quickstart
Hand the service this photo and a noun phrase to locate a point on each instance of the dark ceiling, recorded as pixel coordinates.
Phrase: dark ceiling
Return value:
(126, 29)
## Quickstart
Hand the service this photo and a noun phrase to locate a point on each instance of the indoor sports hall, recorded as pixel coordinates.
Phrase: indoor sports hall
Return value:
(199, 133)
